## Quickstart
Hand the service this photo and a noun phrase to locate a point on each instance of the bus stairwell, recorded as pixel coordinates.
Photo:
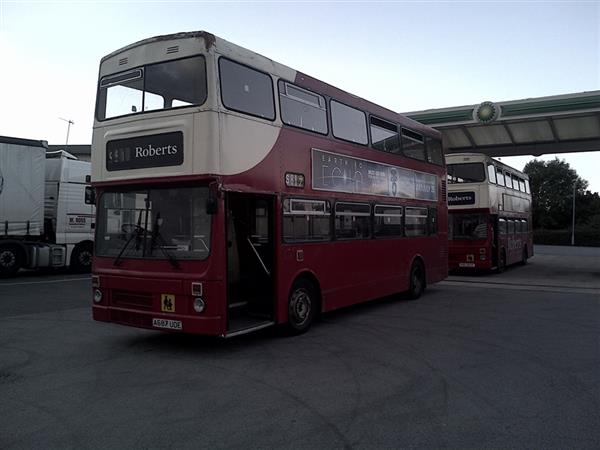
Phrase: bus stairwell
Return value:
(250, 249)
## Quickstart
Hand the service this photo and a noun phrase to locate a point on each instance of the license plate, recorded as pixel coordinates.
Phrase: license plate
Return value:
(166, 323)
(466, 264)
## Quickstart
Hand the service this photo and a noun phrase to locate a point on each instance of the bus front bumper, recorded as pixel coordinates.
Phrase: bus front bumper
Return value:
(210, 326)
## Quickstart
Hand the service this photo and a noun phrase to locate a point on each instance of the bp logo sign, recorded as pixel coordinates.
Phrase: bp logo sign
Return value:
(486, 112)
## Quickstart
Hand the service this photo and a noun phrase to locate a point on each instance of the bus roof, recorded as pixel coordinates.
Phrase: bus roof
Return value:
(251, 58)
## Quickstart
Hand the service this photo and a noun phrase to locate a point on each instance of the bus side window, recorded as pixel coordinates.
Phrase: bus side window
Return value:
(415, 223)
(492, 173)
(499, 177)
(511, 226)
(388, 221)
(302, 108)
(502, 226)
(413, 145)
(435, 154)
(349, 124)
(515, 182)
(246, 90)
(384, 136)
(352, 220)
(306, 220)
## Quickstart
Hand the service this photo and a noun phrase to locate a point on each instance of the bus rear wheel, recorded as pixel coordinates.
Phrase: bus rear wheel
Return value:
(501, 262)
(302, 307)
(524, 256)
(417, 281)
(10, 260)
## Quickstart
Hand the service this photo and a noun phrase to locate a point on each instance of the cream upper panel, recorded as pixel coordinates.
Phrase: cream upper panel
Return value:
(215, 140)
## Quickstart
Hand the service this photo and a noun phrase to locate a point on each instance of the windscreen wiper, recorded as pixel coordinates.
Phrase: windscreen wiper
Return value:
(156, 236)
(137, 233)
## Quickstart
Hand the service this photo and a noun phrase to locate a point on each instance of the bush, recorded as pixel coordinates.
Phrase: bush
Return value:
(585, 236)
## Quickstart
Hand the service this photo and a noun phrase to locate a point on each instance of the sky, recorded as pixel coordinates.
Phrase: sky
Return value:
(404, 55)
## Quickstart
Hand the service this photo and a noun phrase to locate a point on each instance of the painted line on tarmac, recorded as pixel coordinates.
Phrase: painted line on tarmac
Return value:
(63, 280)
(508, 283)
(516, 287)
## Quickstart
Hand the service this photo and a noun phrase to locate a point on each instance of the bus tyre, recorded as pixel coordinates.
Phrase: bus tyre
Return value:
(524, 256)
(11, 260)
(81, 258)
(302, 306)
(417, 281)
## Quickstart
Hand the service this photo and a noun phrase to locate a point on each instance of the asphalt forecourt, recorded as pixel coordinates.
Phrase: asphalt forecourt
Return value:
(463, 367)
(552, 269)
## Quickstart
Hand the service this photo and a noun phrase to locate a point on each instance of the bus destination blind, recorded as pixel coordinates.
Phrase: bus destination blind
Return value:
(157, 150)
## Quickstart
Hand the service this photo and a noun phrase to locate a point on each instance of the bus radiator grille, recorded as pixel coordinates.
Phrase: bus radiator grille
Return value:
(138, 300)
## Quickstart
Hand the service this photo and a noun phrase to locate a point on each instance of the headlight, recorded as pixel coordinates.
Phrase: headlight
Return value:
(199, 304)
(97, 296)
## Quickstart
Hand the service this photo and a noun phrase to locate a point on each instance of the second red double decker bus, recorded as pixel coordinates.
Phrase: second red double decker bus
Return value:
(489, 213)
(234, 193)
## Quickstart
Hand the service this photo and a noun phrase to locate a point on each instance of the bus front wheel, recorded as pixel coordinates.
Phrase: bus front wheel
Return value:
(302, 306)
(417, 281)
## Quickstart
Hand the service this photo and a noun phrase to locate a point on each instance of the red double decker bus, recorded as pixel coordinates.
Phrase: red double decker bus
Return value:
(489, 213)
(234, 193)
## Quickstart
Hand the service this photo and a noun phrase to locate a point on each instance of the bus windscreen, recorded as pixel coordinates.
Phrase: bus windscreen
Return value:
(165, 223)
(166, 85)
(467, 226)
(465, 173)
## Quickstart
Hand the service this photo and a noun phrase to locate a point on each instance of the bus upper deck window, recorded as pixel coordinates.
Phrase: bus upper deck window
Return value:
(413, 145)
(492, 173)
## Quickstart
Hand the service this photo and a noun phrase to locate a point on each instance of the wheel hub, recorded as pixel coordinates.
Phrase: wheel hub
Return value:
(7, 259)
(300, 306)
(85, 258)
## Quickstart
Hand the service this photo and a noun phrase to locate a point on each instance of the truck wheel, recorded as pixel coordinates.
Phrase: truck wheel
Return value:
(302, 307)
(10, 260)
(81, 258)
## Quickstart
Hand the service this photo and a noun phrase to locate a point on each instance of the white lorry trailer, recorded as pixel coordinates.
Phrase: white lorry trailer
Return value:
(46, 211)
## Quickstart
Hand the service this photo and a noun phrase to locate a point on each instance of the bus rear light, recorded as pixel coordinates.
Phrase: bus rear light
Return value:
(199, 304)
(95, 281)
(470, 258)
(482, 257)
(482, 251)
(196, 289)
(97, 295)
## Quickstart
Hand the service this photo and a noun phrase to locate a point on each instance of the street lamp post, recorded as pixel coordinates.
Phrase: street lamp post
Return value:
(69, 123)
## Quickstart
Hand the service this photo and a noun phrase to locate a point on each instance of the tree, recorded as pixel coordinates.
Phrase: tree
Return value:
(552, 191)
